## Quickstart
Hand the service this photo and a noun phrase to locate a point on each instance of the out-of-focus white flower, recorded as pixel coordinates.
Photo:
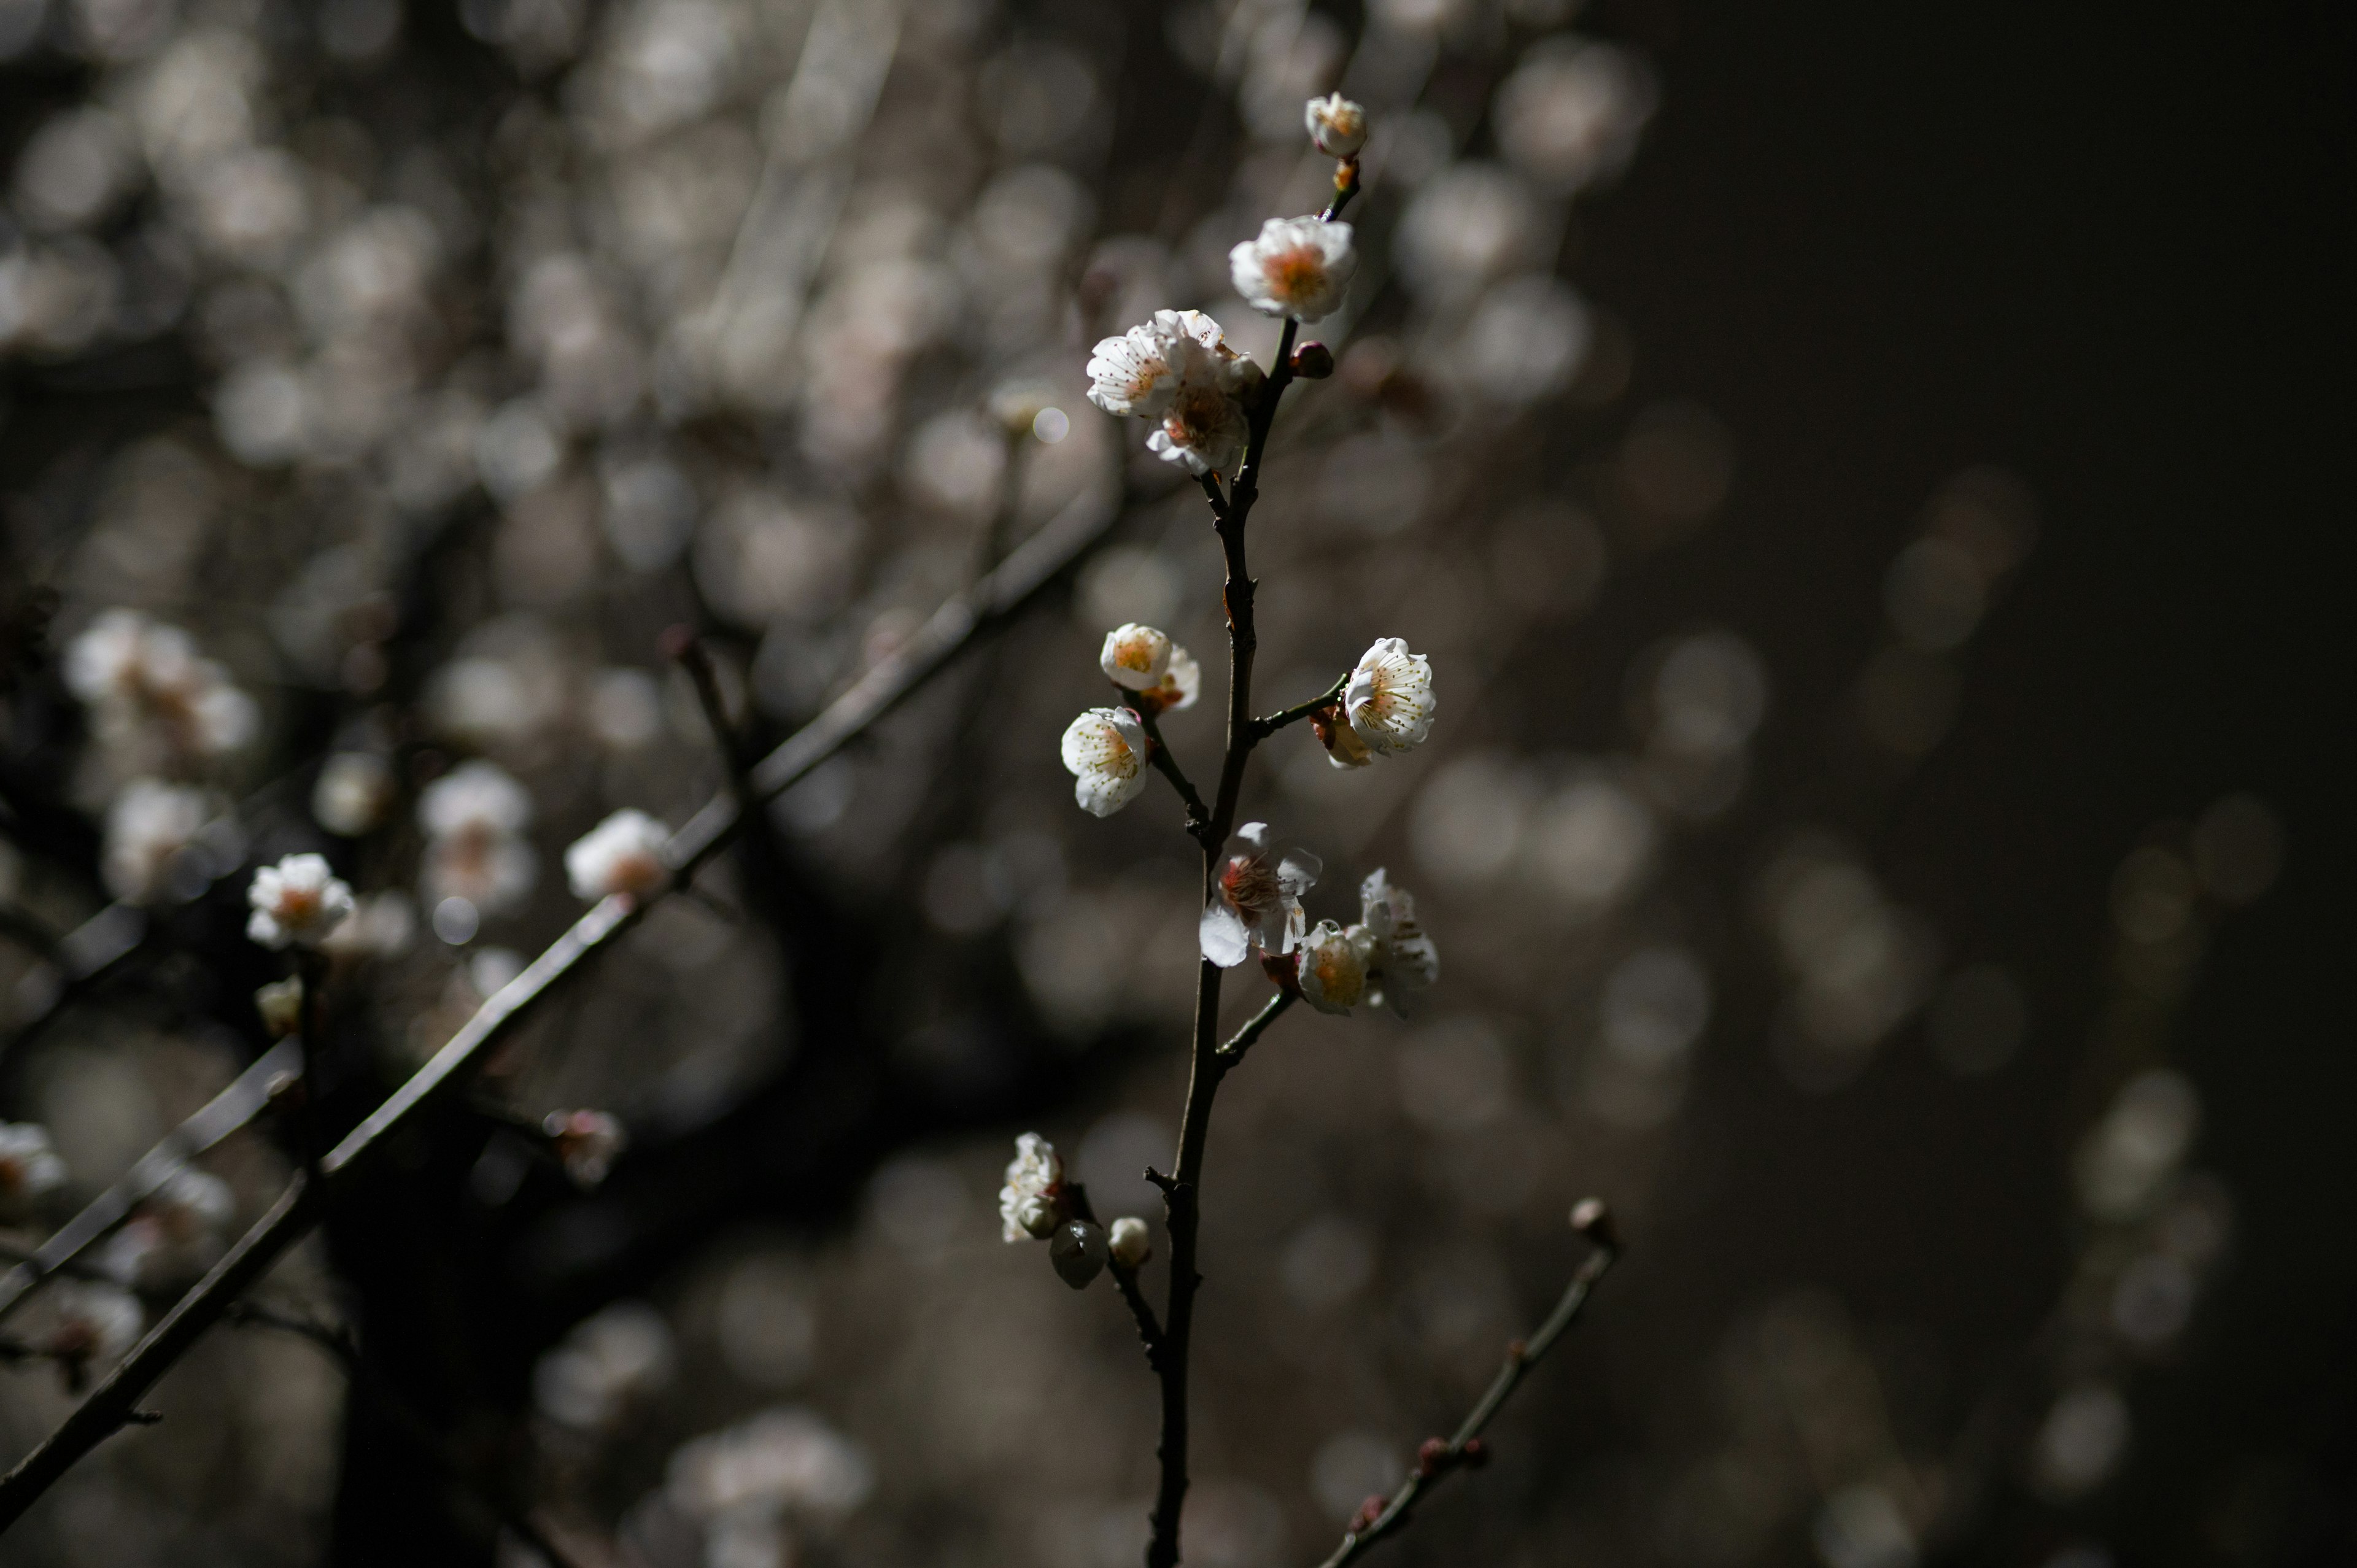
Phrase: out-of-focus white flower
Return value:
(609, 1362)
(1299, 267)
(783, 1461)
(353, 791)
(472, 817)
(624, 853)
(149, 822)
(1337, 126)
(1032, 1200)
(29, 1166)
(1390, 700)
(297, 902)
(1130, 1241)
(1333, 966)
(381, 925)
(1400, 957)
(1255, 904)
(135, 673)
(1105, 749)
(1180, 686)
(587, 1142)
(280, 1003)
(96, 1323)
(1136, 657)
(190, 1205)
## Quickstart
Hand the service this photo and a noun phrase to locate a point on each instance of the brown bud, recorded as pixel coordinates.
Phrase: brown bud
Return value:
(1283, 970)
(1369, 1512)
(1313, 361)
(1593, 1221)
(1475, 1453)
(1431, 1455)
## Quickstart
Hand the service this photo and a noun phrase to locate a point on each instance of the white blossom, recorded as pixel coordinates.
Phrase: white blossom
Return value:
(1136, 657)
(624, 853)
(1105, 749)
(1337, 126)
(137, 675)
(1299, 267)
(609, 1365)
(280, 1003)
(190, 1203)
(95, 1323)
(1390, 700)
(473, 817)
(29, 1166)
(1032, 1200)
(1130, 1241)
(1255, 903)
(1333, 966)
(587, 1142)
(353, 791)
(149, 822)
(297, 902)
(1179, 371)
(1180, 684)
(1401, 958)
(381, 925)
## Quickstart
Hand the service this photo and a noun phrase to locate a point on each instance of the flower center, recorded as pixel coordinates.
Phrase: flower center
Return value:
(1294, 272)
(1250, 887)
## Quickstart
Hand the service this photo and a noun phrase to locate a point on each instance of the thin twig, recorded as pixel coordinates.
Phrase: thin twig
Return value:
(1199, 815)
(688, 648)
(1233, 1051)
(1264, 727)
(1149, 1332)
(1437, 1459)
(1027, 569)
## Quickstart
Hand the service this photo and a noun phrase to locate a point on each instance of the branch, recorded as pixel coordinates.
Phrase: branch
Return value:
(1198, 816)
(1264, 727)
(1439, 1459)
(1233, 1051)
(990, 603)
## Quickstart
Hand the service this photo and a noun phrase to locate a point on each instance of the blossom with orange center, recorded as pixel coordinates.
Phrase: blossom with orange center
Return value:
(1255, 903)
(1299, 267)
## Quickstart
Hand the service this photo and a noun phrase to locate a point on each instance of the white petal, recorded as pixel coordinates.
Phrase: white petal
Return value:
(1224, 937)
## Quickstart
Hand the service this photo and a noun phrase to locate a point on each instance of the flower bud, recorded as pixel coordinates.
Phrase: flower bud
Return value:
(1593, 1221)
(1313, 361)
(1078, 1249)
(1337, 126)
(281, 1005)
(1129, 1242)
(1431, 1455)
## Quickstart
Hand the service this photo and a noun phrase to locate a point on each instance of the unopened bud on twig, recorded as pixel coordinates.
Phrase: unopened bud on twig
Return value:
(1129, 1242)
(1313, 361)
(280, 1003)
(1369, 1512)
(1431, 1455)
(1078, 1249)
(1475, 1453)
(1336, 126)
(1593, 1221)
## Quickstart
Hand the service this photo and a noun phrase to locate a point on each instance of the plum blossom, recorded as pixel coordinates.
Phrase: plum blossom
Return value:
(624, 853)
(1129, 1242)
(1136, 657)
(1180, 686)
(1105, 749)
(1299, 267)
(139, 676)
(1255, 903)
(587, 1142)
(1333, 966)
(1337, 126)
(782, 1461)
(1178, 370)
(1390, 700)
(149, 822)
(297, 902)
(29, 1168)
(1401, 958)
(474, 817)
(1031, 1203)
(353, 791)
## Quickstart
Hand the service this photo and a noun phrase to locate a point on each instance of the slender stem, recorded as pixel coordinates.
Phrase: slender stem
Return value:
(1199, 815)
(1233, 1051)
(696, 659)
(1149, 1332)
(311, 1121)
(1462, 1450)
(1264, 727)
